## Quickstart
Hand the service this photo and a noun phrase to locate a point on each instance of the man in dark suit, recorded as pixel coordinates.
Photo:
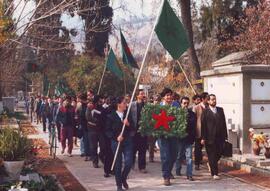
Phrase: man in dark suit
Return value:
(214, 133)
(140, 142)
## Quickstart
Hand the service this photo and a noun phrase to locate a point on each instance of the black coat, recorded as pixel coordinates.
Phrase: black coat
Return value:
(114, 127)
(191, 127)
(214, 128)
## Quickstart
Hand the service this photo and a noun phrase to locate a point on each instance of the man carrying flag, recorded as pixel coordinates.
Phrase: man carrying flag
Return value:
(172, 36)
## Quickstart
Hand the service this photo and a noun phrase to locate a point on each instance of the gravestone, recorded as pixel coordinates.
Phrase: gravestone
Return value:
(243, 90)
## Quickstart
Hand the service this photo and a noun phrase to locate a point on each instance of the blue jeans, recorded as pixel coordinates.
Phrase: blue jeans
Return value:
(168, 153)
(86, 141)
(126, 150)
(82, 146)
(184, 152)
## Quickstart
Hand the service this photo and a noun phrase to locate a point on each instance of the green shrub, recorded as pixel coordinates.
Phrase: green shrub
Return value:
(13, 145)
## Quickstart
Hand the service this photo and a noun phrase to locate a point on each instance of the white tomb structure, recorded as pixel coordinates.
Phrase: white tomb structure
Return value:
(243, 90)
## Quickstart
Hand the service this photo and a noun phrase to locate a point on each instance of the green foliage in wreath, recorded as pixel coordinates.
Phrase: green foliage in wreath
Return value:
(177, 127)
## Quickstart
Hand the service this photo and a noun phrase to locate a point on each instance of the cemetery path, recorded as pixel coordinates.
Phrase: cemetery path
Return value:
(93, 180)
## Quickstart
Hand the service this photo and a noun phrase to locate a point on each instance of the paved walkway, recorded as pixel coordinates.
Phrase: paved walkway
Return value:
(92, 179)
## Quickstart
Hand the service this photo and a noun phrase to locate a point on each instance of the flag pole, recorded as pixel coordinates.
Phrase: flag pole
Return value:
(106, 57)
(137, 81)
(181, 67)
(125, 84)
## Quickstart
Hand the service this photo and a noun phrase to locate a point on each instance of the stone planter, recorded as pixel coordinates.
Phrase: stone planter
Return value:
(256, 149)
(267, 152)
(13, 169)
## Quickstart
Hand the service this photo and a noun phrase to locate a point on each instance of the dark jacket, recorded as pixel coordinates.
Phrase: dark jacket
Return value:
(114, 127)
(214, 128)
(191, 127)
(66, 116)
(93, 117)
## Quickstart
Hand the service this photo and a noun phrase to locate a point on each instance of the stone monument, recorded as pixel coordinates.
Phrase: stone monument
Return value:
(243, 90)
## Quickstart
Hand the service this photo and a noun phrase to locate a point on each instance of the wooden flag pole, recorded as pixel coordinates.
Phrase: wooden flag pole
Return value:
(137, 81)
(181, 67)
(101, 80)
(99, 88)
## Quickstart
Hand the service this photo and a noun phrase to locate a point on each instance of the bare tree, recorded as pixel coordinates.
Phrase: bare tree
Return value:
(187, 21)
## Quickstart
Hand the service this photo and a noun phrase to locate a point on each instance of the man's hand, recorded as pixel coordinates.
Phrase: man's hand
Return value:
(202, 142)
(126, 122)
(120, 138)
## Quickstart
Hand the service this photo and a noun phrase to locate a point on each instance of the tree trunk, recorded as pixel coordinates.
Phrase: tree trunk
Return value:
(187, 22)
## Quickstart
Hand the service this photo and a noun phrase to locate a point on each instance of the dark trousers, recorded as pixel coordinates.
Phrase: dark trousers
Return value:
(86, 143)
(44, 122)
(140, 146)
(151, 147)
(58, 127)
(96, 139)
(38, 117)
(31, 115)
(214, 154)
(198, 151)
(126, 150)
(108, 155)
(168, 154)
(67, 134)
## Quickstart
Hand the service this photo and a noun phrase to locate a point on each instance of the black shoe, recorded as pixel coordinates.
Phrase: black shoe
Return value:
(95, 165)
(107, 175)
(172, 177)
(82, 155)
(190, 178)
(125, 184)
(120, 189)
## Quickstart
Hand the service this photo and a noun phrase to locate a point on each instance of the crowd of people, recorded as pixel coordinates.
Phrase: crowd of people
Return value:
(97, 122)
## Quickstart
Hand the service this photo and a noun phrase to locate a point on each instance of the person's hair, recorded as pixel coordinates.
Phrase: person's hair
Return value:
(176, 96)
(211, 95)
(204, 95)
(82, 96)
(166, 91)
(117, 101)
(185, 98)
(96, 99)
(127, 95)
(157, 98)
(196, 97)
(91, 91)
(68, 98)
(138, 91)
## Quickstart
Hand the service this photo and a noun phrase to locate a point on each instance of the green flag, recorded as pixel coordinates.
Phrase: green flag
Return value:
(171, 32)
(126, 53)
(113, 66)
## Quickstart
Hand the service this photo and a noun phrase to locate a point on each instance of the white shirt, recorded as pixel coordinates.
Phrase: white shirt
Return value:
(121, 115)
(213, 109)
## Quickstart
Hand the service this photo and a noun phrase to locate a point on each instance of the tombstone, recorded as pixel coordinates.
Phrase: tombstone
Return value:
(243, 90)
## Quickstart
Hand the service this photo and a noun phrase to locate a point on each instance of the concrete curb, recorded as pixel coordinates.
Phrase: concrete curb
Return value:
(242, 166)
